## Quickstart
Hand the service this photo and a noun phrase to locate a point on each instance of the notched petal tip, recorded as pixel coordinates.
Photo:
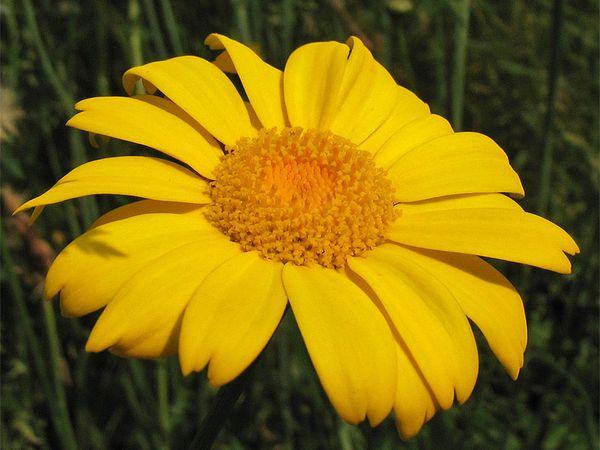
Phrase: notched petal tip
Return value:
(353, 40)
(213, 41)
(24, 207)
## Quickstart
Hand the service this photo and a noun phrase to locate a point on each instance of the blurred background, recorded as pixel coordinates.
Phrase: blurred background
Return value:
(525, 73)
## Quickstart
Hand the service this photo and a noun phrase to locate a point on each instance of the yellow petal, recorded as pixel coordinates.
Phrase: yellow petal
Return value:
(462, 201)
(147, 207)
(262, 82)
(143, 121)
(348, 339)
(486, 297)
(461, 163)
(411, 135)
(311, 81)
(427, 318)
(92, 268)
(408, 108)
(414, 403)
(138, 176)
(231, 317)
(144, 318)
(497, 233)
(367, 95)
(201, 90)
(170, 107)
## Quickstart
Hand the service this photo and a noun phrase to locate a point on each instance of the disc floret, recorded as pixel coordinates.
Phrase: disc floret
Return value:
(301, 196)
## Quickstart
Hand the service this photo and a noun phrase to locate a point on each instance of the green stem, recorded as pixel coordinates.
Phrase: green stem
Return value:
(102, 77)
(135, 35)
(89, 208)
(438, 51)
(52, 77)
(282, 342)
(55, 363)
(581, 399)
(157, 36)
(385, 52)
(256, 22)
(12, 55)
(220, 411)
(58, 412)
(553, 71)
(461, 37)
(288, 22)
(162, 390)
(408, 72)
(171, 24)
(240, 11)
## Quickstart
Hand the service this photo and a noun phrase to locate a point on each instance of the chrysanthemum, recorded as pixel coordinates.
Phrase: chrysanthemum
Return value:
(332, 188)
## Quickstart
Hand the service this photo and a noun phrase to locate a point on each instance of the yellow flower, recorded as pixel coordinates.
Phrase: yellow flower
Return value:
(332, 188)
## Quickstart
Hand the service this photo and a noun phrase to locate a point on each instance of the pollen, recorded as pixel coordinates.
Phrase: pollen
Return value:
(301, 196)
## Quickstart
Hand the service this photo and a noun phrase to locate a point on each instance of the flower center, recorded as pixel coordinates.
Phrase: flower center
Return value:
(301, 196)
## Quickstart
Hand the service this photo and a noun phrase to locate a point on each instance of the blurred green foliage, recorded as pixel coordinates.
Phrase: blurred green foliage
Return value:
(54, 395)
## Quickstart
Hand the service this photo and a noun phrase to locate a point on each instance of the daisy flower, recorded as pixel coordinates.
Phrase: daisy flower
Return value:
(331, 188)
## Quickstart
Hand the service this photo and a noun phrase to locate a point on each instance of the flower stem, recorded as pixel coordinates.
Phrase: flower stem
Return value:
(56, 360)
(171, 25)
(461, 38)
(89, 208)
(220, 411)
(135, 35)
(553, 71)
(59, 415)
(240, 9)
(157, 36)
(162, 390)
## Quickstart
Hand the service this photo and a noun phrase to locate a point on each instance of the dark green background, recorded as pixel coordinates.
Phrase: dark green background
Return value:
(530, 76)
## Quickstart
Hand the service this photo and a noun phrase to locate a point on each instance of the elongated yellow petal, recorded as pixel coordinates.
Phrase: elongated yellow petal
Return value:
(408, 108)
(231, 317)
(461, 163)
(427, 318)
(367, 95)
(172, 108)
(138, 176)
(156, 297)
(201, 90)
(497, 233)
(147, 207)
(348, 339)
(486, 297)
(411, 135)
(414, 403)
(91, 269)
(143, 121)
(262, 82)
(461, 201)
(311, 82)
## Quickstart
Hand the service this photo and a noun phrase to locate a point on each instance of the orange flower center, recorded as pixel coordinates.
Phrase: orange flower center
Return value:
(301, 196)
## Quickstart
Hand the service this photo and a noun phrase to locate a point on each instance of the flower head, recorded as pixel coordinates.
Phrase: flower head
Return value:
(333, 189)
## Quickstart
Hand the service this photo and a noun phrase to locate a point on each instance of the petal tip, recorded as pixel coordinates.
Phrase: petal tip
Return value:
(514, 374)
(213, 41)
